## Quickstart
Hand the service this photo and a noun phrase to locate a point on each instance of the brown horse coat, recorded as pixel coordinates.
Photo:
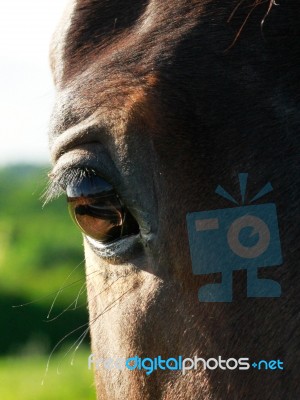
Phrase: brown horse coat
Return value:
(152, 96)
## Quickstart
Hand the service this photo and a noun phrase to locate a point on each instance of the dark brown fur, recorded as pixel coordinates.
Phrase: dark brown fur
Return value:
(149, 96)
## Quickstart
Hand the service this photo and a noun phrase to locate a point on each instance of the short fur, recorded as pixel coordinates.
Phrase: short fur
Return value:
(152, 95)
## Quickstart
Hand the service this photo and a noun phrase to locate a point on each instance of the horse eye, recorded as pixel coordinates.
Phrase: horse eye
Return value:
(98, 211)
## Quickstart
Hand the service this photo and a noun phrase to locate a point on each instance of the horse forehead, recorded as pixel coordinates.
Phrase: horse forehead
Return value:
(108, 56)
(119, 35)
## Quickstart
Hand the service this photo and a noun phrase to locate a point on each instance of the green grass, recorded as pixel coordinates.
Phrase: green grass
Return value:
(21, 377)
(39, 247)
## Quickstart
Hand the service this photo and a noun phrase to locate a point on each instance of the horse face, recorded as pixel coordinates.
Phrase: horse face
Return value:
(152, 99)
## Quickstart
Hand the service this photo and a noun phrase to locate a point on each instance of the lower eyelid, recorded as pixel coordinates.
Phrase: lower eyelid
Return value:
(114, 249)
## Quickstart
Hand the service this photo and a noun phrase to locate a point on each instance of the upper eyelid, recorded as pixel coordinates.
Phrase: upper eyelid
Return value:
(71, 175)
(88, 157)
(69, 168)
(87, 131)
(58, 183)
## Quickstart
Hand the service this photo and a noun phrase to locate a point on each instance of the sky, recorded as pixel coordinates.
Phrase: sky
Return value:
(26, 88)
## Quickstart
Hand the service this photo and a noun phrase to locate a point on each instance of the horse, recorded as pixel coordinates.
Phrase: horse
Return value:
(158, 104)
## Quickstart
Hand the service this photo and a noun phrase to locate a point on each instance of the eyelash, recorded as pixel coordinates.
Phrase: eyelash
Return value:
(58, 184)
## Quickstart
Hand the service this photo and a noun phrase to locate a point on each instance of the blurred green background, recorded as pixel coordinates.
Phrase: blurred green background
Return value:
(40, 252)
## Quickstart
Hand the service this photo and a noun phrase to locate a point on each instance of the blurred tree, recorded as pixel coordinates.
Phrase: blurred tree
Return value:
(39, 248)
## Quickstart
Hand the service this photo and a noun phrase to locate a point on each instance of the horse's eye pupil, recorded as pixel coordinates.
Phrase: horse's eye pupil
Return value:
(96, 209)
